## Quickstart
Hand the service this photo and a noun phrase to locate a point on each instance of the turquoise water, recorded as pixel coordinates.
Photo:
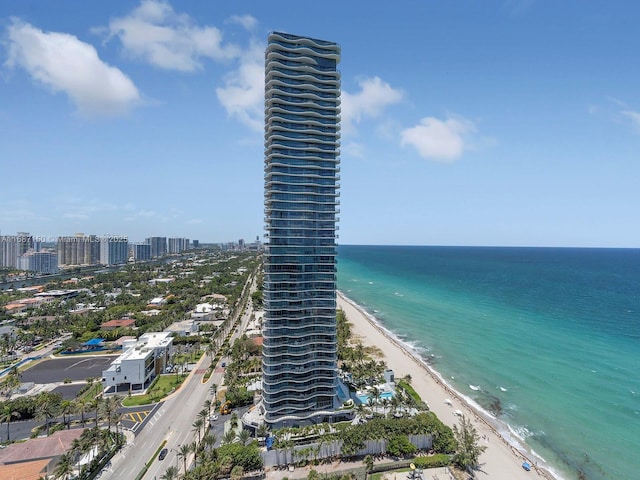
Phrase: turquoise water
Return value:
(551, 337)
(365, 398)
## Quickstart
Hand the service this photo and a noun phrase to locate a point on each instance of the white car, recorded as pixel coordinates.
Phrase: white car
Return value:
(214, 417)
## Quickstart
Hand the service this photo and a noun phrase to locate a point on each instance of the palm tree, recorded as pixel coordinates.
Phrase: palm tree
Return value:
(108, 408)
(204, 415)
(208, 405)
(244, 436)
(263, 430)
(6, 415)
(385, 404)
(80, 406)
(171, 473)
(67, 408)
(194, 448)
(183, 454)
(93, 404)
(197, 427)
(47, 409)
(229, 437)
(64, 467)
(209, 440)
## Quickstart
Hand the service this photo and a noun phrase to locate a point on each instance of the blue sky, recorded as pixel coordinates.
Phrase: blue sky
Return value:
(464, 123)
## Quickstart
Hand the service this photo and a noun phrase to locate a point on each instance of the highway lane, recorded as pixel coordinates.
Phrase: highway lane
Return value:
(171, 422)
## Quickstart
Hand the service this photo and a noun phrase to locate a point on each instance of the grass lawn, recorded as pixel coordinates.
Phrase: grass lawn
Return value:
(160, 389)
(92, 392)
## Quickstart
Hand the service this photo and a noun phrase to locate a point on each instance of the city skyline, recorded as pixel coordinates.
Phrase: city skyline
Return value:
(507, 123)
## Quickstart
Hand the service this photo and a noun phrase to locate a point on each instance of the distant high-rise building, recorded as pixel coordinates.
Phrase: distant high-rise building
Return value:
(158, 246)
(141, 252)
(79, 249)
(177, 245)
(114, 250)
(195, 243)
(25, 242)
(8, 251)
(302, 131)
(39, 262)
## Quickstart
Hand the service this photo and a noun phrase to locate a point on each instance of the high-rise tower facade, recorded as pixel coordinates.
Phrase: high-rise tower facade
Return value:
(302, 132)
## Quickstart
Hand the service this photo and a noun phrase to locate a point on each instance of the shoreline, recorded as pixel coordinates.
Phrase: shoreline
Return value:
(505, 451)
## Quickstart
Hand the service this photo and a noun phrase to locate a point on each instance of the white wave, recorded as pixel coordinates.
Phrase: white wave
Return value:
(502, 389)
(503, 428)
(474, 387)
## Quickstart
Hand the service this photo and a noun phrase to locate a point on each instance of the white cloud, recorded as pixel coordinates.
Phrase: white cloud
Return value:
(243, 93)
(247, 21)
(634, 117)
(439, 140)
(353, 149)
(63, 63)
(76, 216)
(374, 96)
(157, 34)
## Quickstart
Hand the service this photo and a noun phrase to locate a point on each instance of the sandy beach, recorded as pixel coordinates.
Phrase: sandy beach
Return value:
(500, 460)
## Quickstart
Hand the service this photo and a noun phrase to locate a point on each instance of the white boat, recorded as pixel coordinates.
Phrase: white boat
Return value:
(474, 387)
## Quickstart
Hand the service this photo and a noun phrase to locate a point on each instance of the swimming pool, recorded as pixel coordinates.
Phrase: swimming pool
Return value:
(365, 398)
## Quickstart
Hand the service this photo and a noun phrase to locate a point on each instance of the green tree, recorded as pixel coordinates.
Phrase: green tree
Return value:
(368, 462)
(183, 454)
(400, 445)
(6, 414)
(64, 467)
(48, 408)
(171, 473)
(469, 449)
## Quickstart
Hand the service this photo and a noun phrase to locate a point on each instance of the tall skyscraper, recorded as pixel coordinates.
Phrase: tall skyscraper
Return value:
(177, 245)
(158, 246)
(39, 262)
(79, 249)
(302, 131)
(114, 250)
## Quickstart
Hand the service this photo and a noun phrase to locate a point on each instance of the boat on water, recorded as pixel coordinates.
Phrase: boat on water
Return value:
(474, 387)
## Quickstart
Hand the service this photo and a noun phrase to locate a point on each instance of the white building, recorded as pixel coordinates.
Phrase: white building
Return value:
(185, 328)
(140, 362)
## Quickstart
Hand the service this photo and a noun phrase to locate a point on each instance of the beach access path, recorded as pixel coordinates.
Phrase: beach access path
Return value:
(500, 460)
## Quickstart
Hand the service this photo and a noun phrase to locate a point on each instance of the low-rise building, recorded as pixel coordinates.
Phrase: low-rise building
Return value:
(140, 362)
(118, 323)
(184, 328)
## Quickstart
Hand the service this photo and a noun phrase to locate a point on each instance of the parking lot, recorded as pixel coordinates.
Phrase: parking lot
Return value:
(75, 368)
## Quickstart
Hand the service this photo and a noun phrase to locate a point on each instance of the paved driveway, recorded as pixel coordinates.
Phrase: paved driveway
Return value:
(75, 368)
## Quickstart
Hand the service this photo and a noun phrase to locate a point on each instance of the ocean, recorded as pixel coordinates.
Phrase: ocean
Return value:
(549, 339)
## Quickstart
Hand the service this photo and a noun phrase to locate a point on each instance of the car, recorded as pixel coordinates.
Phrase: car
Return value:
(163, 453)
(223, 364)
(214, 417)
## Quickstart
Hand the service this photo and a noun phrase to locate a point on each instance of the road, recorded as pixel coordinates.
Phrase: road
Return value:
(171, 422)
